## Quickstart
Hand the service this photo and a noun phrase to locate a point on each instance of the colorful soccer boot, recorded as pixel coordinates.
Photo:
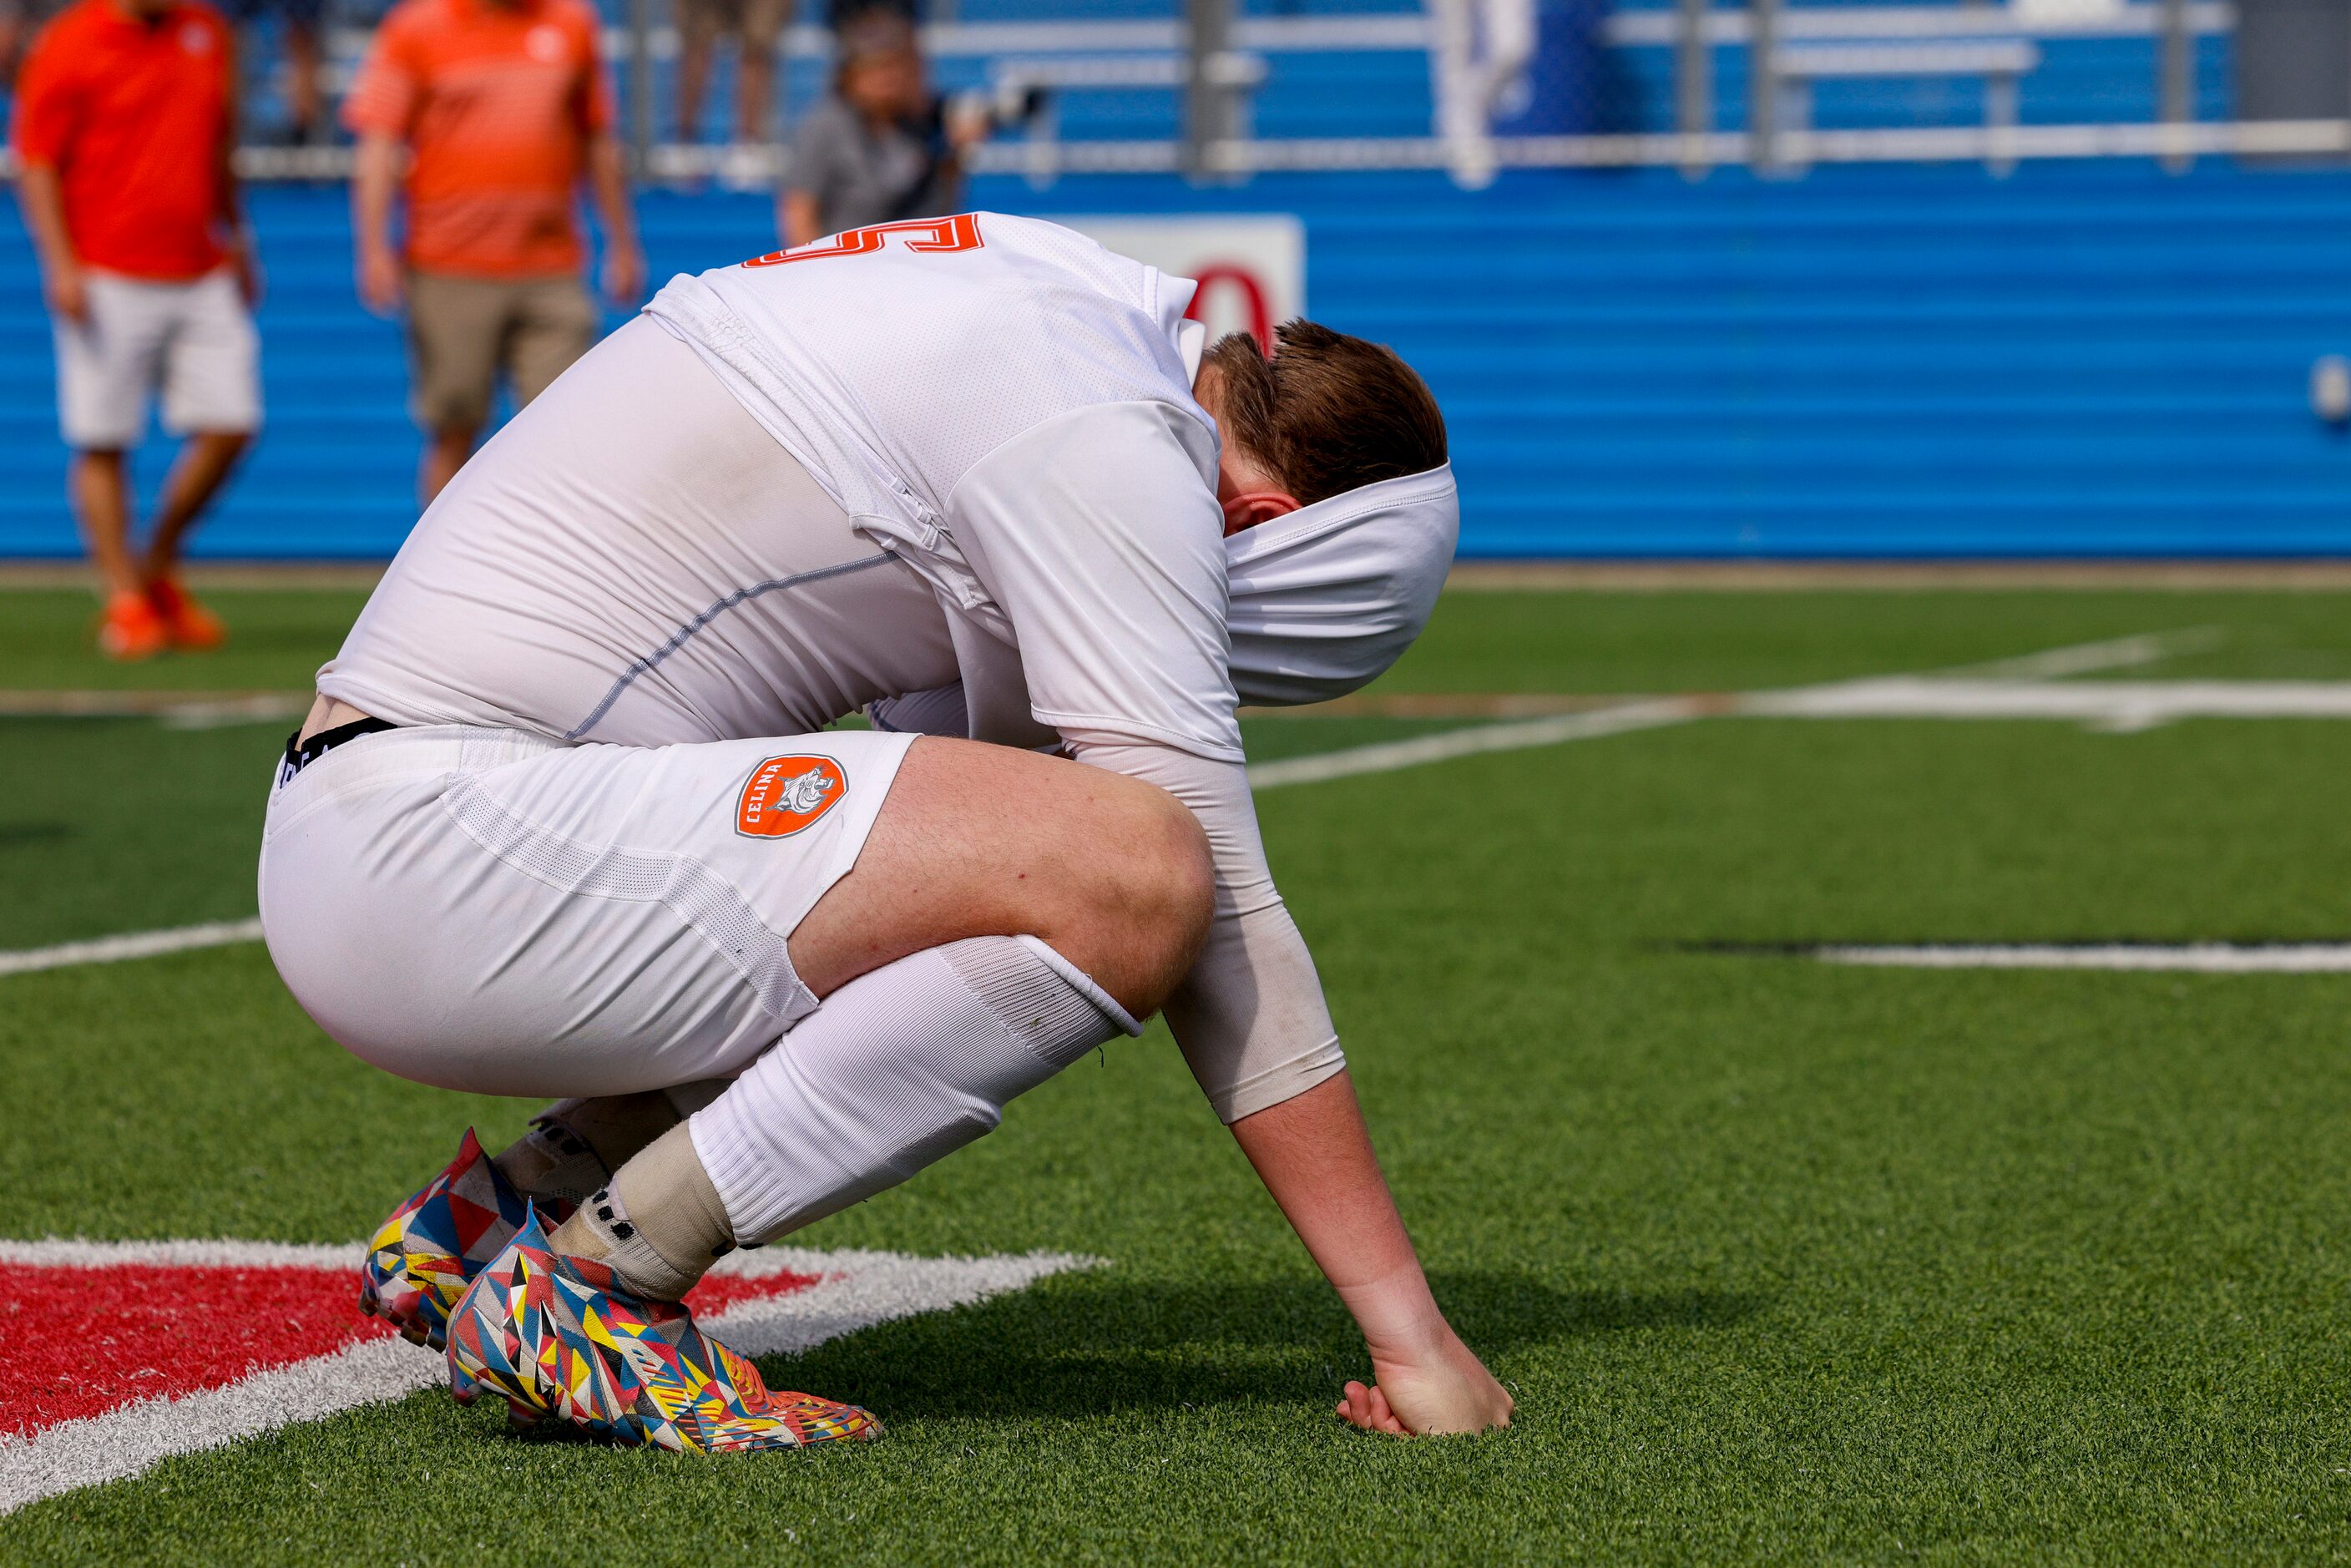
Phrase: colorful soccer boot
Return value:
(426, 1253)
(561, 1336)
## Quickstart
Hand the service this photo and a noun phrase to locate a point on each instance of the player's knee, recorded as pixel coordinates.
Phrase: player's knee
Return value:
(1160, 894)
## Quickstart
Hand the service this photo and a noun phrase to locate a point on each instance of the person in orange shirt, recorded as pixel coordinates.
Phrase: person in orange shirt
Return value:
(502, 108)
(125, 116)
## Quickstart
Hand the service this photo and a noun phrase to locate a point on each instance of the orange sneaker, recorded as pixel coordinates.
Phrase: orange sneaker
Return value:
(186, 623)
(131, 629)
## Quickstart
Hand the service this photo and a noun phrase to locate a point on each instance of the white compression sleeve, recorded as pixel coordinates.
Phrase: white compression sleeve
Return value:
(1250, 1017)
(896, 1070)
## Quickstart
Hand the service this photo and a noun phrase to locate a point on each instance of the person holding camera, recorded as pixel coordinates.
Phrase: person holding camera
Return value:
(882, 145)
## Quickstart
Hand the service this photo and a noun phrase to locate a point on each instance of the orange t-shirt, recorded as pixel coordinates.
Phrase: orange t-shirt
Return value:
(132, 116)
(496, 103)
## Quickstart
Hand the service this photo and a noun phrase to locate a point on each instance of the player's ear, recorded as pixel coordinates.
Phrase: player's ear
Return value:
(1250, 508)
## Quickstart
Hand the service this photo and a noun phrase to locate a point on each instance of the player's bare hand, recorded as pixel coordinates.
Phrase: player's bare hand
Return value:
(68, 292)
(381, 282)
(1445, 1390)
(624, 276)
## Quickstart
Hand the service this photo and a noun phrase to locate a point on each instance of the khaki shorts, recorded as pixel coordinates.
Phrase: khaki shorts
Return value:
(758, 23)
(464, 332)
(495, 911)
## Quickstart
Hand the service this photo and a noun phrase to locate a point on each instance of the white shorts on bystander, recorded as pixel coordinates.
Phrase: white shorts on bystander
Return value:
(193, 342)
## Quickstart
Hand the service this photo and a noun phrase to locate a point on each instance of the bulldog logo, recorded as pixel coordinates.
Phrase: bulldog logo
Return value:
(786, 794)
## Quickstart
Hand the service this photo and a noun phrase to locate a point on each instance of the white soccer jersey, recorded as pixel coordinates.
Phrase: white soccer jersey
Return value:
(1022, 503)
(1004, 405)
(634, 561)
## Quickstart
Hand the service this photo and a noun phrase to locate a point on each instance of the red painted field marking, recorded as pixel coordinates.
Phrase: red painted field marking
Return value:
(129, 1352)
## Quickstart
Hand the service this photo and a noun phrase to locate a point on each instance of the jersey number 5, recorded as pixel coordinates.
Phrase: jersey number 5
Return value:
(959, 232)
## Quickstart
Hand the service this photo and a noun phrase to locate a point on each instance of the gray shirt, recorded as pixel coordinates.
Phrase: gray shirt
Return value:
(860, 175)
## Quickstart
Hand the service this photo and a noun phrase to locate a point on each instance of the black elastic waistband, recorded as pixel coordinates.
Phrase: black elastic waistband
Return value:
(300, 753)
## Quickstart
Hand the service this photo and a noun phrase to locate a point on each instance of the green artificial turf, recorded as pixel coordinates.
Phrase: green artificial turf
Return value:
(111, 825)
(1619, 641)
(277, 640)
(1785, 1262)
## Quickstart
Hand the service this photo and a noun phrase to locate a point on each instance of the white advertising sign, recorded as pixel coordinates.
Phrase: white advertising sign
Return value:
(1251, 267)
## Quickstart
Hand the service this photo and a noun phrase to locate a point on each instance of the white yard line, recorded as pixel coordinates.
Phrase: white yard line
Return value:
(2086, 658)
(2198, 957)
(2006, 688)
(72, 1252)
(2108, 705)
(856, 1290)
(1388, 756)
(1654, 713)
(176, 710)
(134, 944)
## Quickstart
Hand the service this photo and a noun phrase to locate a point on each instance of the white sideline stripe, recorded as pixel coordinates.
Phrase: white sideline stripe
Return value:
(177, 710)
(135, 945)
(858, 1291)
(1654, 713)
(2081, 659)
(135, 1437)
(2116, 654)
(2200, 957)
(72, 1252)
(2121, 704)
(1389, 755)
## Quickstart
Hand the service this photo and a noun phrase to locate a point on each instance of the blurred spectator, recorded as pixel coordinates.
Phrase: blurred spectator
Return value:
(126, 116)
(1483, 47)
(19, 20)
(299, 28)
(502, 109)
(758, 27)
(883, 146)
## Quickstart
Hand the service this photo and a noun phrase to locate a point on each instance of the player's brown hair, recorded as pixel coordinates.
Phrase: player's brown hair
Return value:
(1328, 413)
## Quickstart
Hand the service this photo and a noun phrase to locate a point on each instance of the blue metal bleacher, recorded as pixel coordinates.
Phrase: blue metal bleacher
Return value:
(2081, 359)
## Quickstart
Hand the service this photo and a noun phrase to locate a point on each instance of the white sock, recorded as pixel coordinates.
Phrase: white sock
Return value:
(898, 1069)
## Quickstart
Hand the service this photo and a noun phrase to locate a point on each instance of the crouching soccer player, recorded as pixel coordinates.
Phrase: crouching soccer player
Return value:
(561, 822)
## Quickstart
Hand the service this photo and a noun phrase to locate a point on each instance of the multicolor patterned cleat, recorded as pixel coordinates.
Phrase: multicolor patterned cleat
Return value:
(428, 1249)
(560, 1336)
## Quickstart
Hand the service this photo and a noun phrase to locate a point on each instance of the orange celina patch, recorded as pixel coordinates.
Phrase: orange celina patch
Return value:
(787, 794)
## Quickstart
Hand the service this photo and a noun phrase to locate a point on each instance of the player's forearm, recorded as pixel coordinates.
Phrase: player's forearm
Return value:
(608, 181)
(1250, 1017)
(43, 203)
(376, 179)
(1314, 1155)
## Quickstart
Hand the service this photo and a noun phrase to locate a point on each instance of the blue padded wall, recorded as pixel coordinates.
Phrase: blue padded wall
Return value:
(2081, 359)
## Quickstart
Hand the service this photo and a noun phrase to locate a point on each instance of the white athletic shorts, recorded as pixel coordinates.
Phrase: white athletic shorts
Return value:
(492, 911)
(194, 342)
